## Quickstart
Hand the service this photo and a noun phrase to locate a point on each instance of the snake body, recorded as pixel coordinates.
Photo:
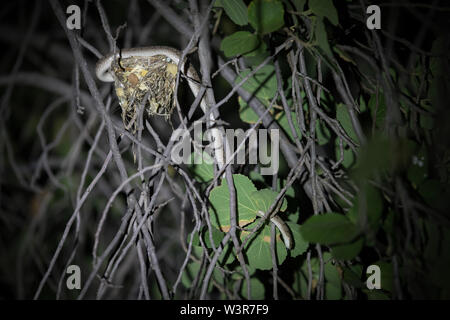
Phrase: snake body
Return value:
(103, 73)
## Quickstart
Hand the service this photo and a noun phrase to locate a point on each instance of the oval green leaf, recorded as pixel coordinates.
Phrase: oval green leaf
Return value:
(329, 228)
(236, 10)
(238, 43)
(266, 15)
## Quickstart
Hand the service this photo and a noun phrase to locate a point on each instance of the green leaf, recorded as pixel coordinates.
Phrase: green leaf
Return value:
(259, 52)
(256, 177)
(329, 228)
(387, 275)
(220, 203)
(377, 107)
(352, 275)
(374, 205)
(344, 119)
(348, 158)
(216, 235)
(369, 203)
(299, 5)
(189, 274)
(284, 124)
(266, 16)
(264, 199)
(191, 271)
(263, 83)
(300, 244)
(374, 157)
(322, 133)
(333, 289)
(258, 248)
(257, 289)
(236, 10)
(238, 43)
(294, 217)
(249, 202)
(324, 8)
(322, 38)
(347, 251)
(228, 255)
(332, 273)
(246, 113)
(362, 104)
(204, 170)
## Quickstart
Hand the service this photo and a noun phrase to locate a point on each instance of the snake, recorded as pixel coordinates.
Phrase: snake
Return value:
(104, 73)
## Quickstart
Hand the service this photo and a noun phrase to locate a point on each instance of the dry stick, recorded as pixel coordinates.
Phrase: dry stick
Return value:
(145, 188)
(286, 108)
(212, 265)
(174, 19)
(393, 115)
(205, 255)
(136, 233)
(73, 155)
(90, 47)
(350, 104)
(188, 254)
(238, 86)
(111, 135)
(196, 228)
(273, 247)
(59, 87)
(143, 270)
(144, 32)
(105, 24)
(23, 49)
(44, 82)
(312, 132)
(286, 148)
(204, 54)
(273, 253)
(80, 187)
(204, 211)
(310, 275)
(182, 222)
(122, 234)
(43, 159)
(296, 95)
(334, 125)
(69, 224)
(232, 231)
(110, 202)
(286, 287)
(13, 163)
(196, 283)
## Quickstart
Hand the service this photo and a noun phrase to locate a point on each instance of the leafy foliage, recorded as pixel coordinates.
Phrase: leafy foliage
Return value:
(364, 176)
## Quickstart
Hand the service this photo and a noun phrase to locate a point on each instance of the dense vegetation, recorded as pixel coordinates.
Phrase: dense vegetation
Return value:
(364, 158)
